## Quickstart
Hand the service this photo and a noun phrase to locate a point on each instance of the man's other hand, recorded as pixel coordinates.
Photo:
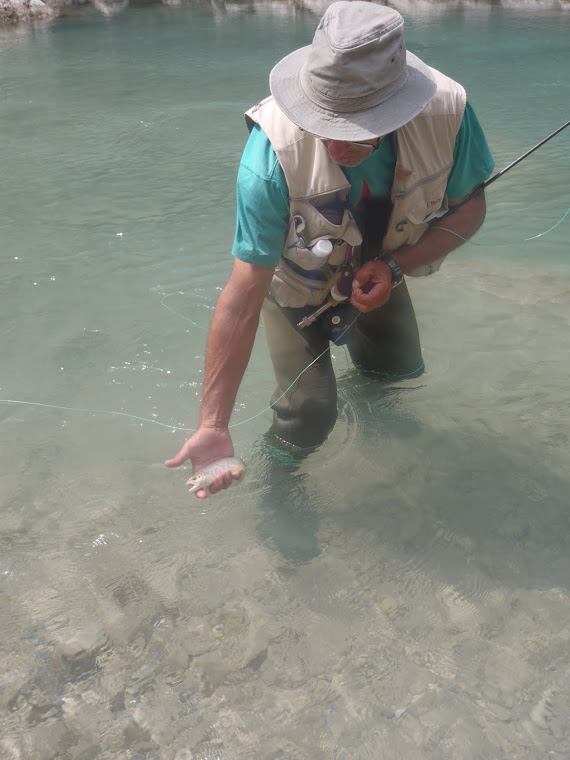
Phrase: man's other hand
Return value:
(371, 286)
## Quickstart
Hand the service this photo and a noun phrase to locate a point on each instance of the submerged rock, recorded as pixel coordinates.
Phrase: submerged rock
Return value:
(81, 645)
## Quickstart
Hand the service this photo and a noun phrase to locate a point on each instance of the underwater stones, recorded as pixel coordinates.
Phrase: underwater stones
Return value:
(13, 685)
(127, 734)
(135, 733)
(114, 740)
(541, 712)
(69, 707)
(184, 754)
(412, 728)
(45, 741)
(493, 710)
(9, 750)
(213, 560)
(82, 645)
(178, 658)
(143, 678)
(76, 657)
(389, 605)
(211, 672)
(33, 706)
(238, 644)
(286, 664)
(197, 636)
(218, 631)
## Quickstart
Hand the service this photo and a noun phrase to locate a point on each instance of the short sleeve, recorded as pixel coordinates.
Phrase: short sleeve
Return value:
(262, 204)
(472, 159)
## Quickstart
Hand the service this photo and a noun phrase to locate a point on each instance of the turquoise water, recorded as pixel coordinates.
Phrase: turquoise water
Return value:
(404, 592)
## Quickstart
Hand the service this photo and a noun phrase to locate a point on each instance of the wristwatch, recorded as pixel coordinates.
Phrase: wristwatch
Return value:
(397, 274)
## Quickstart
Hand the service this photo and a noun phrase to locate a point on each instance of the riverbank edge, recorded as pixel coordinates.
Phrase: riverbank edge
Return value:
(15, 12)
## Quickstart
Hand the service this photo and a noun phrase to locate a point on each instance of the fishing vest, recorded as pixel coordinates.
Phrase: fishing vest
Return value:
(318, 189)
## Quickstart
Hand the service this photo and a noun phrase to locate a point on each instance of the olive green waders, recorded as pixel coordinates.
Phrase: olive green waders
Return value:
(384, 341)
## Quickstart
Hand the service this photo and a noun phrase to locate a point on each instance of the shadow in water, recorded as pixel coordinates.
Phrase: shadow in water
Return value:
(290, 501)
(289, 520)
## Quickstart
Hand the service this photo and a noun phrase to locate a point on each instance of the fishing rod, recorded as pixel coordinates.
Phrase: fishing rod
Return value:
(482, 185)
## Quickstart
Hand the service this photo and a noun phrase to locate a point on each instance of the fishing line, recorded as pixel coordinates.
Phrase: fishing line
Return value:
(517, 242)
(471, 195)
(94, 411)
(164, 424)
(268, 408)
(178, 314)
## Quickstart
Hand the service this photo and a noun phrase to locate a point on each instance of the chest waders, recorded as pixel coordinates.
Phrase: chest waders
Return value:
(384, 342)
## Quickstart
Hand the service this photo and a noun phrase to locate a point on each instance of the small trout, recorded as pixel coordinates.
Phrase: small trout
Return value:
(204, 478)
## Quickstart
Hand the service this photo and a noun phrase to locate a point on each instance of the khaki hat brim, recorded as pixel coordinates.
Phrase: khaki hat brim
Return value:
(408, 102)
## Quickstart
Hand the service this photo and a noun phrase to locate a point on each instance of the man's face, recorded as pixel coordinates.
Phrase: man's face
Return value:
(350, 153)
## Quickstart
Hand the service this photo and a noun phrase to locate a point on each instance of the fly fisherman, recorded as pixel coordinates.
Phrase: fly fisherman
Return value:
(349, 164)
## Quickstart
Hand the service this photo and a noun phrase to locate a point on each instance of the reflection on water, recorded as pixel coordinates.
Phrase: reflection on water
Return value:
(402, 592)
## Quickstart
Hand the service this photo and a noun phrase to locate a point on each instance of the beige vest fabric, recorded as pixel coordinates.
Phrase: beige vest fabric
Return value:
(424, 160)
(314, 181)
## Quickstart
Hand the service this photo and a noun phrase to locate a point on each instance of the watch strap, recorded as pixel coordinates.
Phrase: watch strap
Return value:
(397, 274)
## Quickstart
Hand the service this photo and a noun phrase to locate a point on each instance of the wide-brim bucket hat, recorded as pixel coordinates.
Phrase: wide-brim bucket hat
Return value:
(356, 81)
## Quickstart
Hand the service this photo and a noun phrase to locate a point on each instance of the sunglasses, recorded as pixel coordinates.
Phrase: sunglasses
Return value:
(371, 147)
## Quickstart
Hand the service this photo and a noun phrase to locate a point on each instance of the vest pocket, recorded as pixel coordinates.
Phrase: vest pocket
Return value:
(309, 225)
(289, 288)
(306, 259)
(424, 200)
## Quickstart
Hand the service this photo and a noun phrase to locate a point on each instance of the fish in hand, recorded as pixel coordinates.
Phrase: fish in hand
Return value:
(203, 479)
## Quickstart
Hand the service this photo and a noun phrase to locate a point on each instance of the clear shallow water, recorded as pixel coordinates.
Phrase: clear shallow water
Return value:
(404, 593)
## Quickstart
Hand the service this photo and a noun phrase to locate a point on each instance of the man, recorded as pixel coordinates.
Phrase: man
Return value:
(360, 150)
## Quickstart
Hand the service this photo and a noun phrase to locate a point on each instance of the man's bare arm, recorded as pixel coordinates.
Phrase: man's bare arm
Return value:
(231, 337)
(230, 341)
(436, 242)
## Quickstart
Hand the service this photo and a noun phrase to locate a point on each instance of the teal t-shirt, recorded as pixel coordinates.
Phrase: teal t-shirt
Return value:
(263, 199)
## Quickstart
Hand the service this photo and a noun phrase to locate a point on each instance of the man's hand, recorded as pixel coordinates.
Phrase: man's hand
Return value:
(371, 286)
(205, 446)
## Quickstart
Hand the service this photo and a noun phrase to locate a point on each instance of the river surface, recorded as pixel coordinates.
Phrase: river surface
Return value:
(401, 594)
